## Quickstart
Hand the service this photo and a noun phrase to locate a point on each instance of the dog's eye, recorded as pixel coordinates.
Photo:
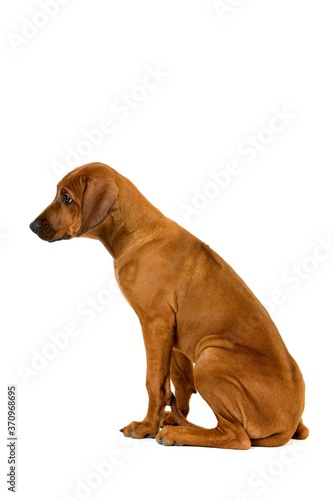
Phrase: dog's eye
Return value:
(66, 199)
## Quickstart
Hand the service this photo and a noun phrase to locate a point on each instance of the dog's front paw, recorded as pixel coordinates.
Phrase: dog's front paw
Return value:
(140, 430)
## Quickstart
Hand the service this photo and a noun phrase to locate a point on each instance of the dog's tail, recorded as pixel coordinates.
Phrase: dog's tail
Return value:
(179, 417)
(301, 432)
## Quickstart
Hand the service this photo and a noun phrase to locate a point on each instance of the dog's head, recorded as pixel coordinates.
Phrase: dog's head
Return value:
(85, 198)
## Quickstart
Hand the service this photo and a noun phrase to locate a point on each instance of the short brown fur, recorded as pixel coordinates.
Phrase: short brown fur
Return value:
(202, 326)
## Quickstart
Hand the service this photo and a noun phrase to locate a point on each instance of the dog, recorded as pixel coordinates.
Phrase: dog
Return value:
(203, 329)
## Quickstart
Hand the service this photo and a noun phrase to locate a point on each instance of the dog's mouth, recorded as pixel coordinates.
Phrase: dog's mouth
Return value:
(45, 232)
(65, 236)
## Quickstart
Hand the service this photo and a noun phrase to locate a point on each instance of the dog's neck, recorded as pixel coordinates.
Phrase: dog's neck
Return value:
(133, 223)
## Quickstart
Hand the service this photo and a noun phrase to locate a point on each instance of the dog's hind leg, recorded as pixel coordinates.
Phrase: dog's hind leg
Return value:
(229, 433)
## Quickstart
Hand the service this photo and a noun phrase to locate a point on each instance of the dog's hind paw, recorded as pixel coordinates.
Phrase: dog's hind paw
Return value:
(165, 436)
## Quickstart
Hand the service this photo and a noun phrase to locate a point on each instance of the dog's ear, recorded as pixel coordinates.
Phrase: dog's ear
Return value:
(98, 200)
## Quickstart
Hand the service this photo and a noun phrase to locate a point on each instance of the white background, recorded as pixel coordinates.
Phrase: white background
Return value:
(224, 74)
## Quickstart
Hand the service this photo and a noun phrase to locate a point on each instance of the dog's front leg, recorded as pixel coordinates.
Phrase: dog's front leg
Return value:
(158, 338)
(183, 380)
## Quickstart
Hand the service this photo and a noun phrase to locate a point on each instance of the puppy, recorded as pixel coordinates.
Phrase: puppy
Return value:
(202, 327)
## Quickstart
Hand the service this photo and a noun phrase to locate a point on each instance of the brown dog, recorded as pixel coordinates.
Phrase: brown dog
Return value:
(194, 310)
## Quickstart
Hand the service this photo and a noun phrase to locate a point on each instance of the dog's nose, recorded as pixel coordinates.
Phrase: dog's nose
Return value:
(35, 226)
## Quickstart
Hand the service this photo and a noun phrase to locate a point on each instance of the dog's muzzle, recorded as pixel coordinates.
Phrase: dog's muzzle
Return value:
(46, 232)
(42, 229)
